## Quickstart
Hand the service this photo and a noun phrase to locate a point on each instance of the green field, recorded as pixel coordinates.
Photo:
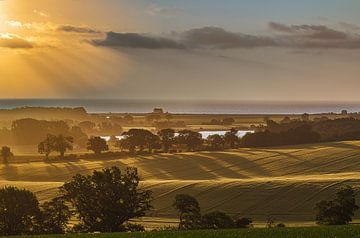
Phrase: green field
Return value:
(309, 232)
(283, 183)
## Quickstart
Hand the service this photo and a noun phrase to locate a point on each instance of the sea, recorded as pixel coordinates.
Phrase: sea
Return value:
(187, 106)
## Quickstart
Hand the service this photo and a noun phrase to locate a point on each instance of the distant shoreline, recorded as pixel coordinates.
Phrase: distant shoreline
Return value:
(95, 106)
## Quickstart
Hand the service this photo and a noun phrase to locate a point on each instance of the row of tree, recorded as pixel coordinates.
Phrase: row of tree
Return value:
(137, 140)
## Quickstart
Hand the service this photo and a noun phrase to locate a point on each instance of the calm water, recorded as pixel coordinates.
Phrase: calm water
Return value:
(204, 134)
(218, 107)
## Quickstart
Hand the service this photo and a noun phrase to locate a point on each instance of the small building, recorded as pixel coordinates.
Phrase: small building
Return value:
(158, 111)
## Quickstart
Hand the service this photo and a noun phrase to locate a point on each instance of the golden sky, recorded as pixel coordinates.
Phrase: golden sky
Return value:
(180, 49)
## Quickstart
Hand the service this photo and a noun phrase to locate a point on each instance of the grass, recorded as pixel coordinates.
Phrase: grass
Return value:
(284, 183)
(308, 232)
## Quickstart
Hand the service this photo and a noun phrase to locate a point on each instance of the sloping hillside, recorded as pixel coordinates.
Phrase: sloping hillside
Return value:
(284, 183)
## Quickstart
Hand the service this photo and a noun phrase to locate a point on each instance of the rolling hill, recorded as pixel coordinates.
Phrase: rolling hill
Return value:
(284, 183)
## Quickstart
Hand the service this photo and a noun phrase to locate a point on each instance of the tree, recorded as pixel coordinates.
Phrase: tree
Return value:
(167, 138)
(228, 121)
(138, 138)
(6, 154)
(19, 211)
(189, 209)
(97, 144)
(338, 211)
(58, 143)
(216, 142)
(231, 138)
(152, 141)
(62, 144)
(47, 146)
(217, 220)
(55, 216)
(192, 140)
(107, 199)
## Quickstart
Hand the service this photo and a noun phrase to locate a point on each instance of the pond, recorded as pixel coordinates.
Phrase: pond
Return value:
(204, 134)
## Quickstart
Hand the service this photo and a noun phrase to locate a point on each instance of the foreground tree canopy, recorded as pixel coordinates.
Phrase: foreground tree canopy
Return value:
(107, 199)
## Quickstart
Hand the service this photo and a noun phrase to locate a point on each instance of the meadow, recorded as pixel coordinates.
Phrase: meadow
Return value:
(282, 183)
(308, 232)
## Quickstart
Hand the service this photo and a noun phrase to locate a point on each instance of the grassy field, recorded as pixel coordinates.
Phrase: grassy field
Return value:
(309, 232)
(283, 183)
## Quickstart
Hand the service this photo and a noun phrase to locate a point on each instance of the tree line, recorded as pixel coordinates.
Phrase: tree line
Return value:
(106, 200)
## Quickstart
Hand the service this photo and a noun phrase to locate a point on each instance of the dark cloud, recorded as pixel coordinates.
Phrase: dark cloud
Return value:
(14, 42)
(77, 29)
(219, 38)
(293, 36)
(308, 31)
(135, 40)
(280, 27)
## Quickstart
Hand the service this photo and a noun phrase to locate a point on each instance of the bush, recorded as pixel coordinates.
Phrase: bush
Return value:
(280, 225)
(217, 220)
(243, 222)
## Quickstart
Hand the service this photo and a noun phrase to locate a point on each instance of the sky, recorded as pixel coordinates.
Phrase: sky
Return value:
(231, 50)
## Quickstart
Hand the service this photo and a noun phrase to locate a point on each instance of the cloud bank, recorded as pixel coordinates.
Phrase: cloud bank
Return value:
(289, 36)
(135, 40)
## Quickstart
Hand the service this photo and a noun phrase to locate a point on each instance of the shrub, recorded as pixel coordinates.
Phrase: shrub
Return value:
(217, 220)
(243, 222)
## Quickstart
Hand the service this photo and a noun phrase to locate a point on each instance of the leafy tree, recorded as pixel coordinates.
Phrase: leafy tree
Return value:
(167, 138)
(97, 144)
(189, 209)
(58, 143)
(55, 216)
(138, 138)
(6, 154)
(217, 220)
(338, 211)
(107, 199)
(63, 143)
(19, 211)
(47, 146)
(231, 138)
(192, 140)
(216, 142)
